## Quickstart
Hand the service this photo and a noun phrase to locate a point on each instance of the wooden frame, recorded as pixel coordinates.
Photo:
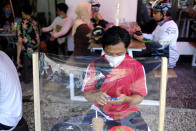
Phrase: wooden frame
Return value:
(117, 13)
(163, 93)
(37, 94)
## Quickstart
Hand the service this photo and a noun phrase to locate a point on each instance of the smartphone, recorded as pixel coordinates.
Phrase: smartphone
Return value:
(110, 98)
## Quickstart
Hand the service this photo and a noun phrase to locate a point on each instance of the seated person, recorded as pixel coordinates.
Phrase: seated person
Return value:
(82, 28)
(6, 15)
(97, 19)
(150, 25)
(98, 22)
(28, 37)
(57, 31)
(6, 21)
(162, 41)
(10, 94)
(119, 76)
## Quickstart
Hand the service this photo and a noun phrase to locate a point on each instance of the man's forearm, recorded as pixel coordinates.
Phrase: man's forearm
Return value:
(19, 47)
(38, 39)
(148, 36)
(46, 29)
(134, 99)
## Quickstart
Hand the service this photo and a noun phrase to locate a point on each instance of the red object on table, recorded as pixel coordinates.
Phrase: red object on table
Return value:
(111, 23)
(121, 128)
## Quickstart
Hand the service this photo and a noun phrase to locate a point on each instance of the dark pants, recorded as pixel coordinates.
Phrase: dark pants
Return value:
(69, 53)
(134, 121)
(155, 61)
(52, 46)
(152, 53)
(3, 43)
(63, 48)
(4, 127)
(26, 71)
(22, 126)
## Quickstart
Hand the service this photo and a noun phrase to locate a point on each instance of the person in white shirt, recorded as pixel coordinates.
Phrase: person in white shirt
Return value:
(58, 30)
(10, 94)
(163, 38)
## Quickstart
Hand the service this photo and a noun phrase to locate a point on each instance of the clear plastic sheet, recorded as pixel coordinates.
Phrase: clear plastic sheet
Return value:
(62, 82)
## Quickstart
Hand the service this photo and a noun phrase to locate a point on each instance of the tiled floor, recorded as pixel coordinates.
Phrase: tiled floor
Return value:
(181, 91)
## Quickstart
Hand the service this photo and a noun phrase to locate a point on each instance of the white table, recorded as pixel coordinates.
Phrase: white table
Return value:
(5, 34)
(134, 46)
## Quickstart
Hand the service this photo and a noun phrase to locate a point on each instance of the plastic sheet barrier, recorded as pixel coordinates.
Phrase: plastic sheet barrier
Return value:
(64, 80)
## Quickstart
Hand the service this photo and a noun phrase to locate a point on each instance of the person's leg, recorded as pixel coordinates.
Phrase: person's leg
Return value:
(143, 53)
(88, 117)
(22, 125)
(3, 43)
(92, 114)
(69, 53)
(150, 64)
(52, 47)
(27, 69)
(63, 48)
(111, 123)
(44, 40)
(12, 53)
(4, 127)
(135, 121)
(173, 56)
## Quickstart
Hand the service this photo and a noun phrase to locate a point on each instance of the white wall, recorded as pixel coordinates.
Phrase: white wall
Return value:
(128, 9)
(72, 4)
(42, 6)
(60, 1)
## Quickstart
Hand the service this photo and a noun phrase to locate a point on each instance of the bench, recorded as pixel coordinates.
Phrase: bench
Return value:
(170, 73)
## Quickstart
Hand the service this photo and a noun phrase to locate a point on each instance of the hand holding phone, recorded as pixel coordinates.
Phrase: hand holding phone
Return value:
(111, 98)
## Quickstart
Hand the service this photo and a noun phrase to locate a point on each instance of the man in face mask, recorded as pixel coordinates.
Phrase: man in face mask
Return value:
(54, 35)
(115, 82)
(162, 41)
(6, 15)
(6, 21)
(28, 37)
(7, 10)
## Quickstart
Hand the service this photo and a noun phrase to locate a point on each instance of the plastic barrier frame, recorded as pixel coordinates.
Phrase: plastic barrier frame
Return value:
(36, 89)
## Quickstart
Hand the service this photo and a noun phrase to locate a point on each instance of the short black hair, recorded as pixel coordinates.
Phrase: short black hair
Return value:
(27, 9)
(62, 7)
(114, 35)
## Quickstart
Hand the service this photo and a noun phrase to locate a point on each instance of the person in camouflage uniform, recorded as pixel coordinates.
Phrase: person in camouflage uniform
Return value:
(28, 42)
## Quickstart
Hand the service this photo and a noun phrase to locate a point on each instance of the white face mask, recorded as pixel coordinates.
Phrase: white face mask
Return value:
(115, 61)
